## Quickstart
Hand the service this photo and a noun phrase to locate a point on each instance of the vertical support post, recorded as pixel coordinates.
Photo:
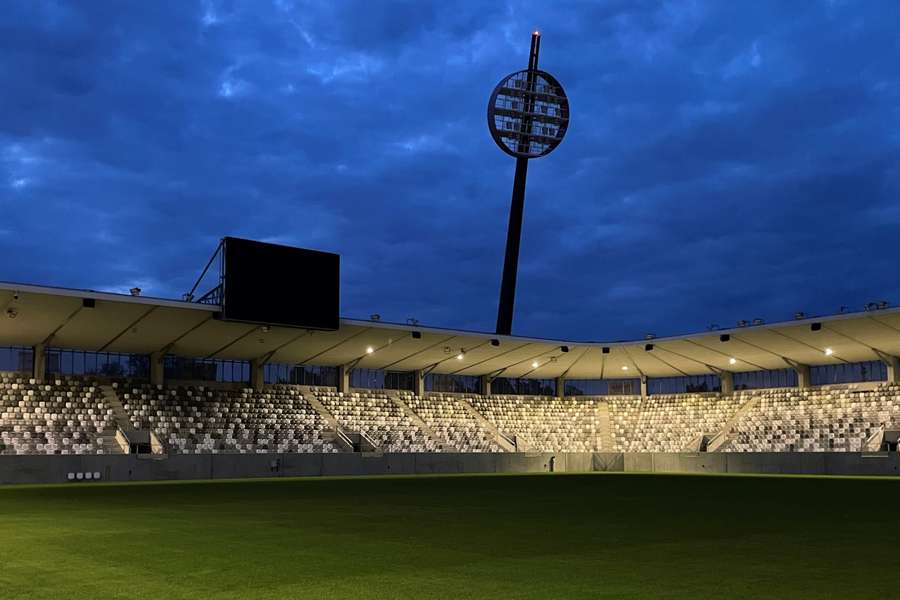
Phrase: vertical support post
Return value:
(560, 387)
(893, 369)
(644, 393)
(803, 379)
(157, 369)
(38, 362)
(726, 380)
(343, 379)
(419, 377)
(257, 374)
(513, 241)
(485, 385)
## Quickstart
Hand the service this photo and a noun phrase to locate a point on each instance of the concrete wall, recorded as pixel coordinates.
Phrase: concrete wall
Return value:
(54, 469)
(129, 467)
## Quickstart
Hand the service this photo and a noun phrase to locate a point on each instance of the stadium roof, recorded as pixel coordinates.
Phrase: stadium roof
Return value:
(121, 323)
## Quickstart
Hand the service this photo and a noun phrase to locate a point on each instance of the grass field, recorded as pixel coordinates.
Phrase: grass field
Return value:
(535, 536)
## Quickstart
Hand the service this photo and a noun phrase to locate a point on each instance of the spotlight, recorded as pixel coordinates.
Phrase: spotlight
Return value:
(460, 356)
(650, 336)
(815, 326)
(375, 317)
(135, 291)
(828, 351)
(605, 350)
(800, 315)
(563, 348)
(495, 342)
(370, 350)
(535, 365)
(266, 329)
(417, 335)
(648, 347)
(624, 367)
(724, 337)
(732, 361)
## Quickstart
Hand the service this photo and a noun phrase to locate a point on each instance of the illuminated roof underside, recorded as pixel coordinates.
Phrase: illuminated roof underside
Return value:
(119, 323)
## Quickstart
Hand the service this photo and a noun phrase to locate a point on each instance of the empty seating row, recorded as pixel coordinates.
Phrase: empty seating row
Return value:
(61, 416)
(195, 420)
(543, 423)
(814, 419)
(446, 416)
(374, 414)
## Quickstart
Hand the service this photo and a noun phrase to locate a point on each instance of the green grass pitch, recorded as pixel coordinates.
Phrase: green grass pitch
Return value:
(529, 536)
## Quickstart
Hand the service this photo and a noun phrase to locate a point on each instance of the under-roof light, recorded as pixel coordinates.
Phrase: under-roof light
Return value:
(370, 350)
(535, 365)
(624, 367)
(460, 356)
(828, 351)
(732, 361)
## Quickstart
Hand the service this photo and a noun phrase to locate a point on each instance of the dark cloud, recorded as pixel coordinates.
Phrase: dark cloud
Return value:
(725, 160)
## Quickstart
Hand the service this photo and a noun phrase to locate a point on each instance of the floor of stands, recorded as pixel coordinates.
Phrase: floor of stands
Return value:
(540, 536)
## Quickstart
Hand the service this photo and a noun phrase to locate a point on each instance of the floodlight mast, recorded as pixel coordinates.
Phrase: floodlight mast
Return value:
(525, 130)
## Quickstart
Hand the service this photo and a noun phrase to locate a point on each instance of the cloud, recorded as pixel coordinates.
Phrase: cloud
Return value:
(724, 161)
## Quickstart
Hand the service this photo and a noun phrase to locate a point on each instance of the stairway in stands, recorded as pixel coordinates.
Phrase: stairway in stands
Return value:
(334, 433)
(418, 422)
(722, 440)
(110, 444)
(604, 422)
(501, 440)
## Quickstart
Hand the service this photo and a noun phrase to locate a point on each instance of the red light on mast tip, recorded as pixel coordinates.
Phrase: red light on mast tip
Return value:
(536, 33)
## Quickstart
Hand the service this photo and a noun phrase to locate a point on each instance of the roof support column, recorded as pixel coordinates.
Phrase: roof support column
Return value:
(560, 387)
(644, 393)
(893, 368)
(257, 374)
(343, 378)
(39, 362)
(803, 378)
(157, 369)
(726, 382)
(419, 382)
(485, 385)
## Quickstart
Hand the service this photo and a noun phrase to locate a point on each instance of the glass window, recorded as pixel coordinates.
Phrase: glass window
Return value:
(16, 359)
(873, 370)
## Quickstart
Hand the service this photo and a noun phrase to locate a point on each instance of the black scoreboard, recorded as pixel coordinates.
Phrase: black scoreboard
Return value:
(273, 284)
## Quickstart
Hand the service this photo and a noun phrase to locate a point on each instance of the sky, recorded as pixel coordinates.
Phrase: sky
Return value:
(724, 160)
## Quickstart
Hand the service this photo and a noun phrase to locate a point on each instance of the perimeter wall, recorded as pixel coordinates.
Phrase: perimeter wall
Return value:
(129, 467)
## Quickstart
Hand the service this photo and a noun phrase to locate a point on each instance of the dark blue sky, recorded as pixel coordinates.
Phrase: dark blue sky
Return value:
(725, 160)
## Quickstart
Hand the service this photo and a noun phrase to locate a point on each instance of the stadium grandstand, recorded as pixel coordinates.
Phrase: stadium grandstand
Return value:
(130, 378)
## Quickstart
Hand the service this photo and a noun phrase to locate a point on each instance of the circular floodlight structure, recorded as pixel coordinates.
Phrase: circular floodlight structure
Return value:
(528, 113)
(528, 116)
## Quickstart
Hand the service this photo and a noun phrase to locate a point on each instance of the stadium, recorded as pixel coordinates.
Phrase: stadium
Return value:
(247, 439)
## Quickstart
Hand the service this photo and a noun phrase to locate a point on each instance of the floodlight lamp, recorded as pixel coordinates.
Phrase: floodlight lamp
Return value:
(828, 351)
(370, 350)
(732, 361)
(624, 367)
(535, 364)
